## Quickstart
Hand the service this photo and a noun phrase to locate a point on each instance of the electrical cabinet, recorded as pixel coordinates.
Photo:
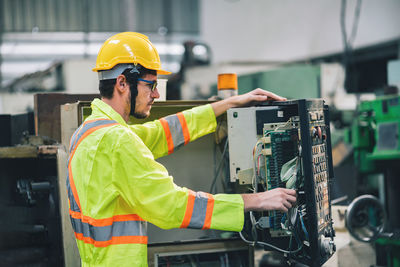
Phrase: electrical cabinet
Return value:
(286, 144)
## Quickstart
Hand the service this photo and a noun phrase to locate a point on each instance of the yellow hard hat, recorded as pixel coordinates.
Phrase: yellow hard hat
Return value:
(128, 48)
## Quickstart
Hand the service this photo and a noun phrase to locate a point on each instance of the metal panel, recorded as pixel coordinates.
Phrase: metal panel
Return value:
(388, 136)
(59, 15)
(176, 15)
(47, 112)
(394, 72)
(239, 253)
(184, 16)
(100, 15)
(242, 126)
(150, 15)
(70, 249)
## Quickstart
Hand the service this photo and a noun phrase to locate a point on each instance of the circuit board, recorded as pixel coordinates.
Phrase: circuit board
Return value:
(283, 147)
(290, 147)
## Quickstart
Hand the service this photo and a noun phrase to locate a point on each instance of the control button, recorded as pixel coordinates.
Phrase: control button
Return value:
(313, 116)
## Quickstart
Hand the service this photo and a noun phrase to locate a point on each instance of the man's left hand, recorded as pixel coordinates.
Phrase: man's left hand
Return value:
(251, 98)
(256, 96)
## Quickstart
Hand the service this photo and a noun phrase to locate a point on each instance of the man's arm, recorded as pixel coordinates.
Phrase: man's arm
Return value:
(277, 199)
(168, 134)
(256, 96)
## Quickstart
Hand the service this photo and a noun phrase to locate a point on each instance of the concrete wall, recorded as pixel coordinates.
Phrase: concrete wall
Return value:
(79, 78)
(270, 30)
(15, 103)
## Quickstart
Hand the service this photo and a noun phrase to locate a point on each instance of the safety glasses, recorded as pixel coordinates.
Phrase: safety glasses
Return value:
(152, 84)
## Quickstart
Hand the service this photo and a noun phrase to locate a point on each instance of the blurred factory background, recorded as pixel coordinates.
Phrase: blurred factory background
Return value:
(345, 51)
(52, 45)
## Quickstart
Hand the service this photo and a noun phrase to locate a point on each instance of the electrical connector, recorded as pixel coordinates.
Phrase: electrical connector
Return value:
(267, 152)
(266, 140)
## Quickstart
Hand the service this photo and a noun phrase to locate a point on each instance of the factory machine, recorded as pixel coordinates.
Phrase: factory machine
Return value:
(279, 144)
(376, 143)
(174, 247)
(286, 144)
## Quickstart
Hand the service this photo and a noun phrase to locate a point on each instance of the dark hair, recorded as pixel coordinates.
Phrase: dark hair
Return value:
(106, 87)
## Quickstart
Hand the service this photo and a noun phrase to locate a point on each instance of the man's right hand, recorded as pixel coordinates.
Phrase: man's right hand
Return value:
(276, 199)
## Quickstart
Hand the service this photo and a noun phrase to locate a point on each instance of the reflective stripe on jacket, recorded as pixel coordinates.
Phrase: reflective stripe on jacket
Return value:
(115, 185)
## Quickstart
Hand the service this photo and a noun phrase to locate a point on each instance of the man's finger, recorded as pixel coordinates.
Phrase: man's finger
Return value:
(290, 191)
(260, 98)
(287, 204)
(270, 95)
(276, 97)
(284, 209)
(291, 199)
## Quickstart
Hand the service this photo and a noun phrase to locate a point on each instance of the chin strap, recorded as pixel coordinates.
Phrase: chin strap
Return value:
(132, 76)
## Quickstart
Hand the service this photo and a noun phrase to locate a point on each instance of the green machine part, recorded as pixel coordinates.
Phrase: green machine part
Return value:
(292, 81)
(361, 137)
(374, 133)
(376, 139)
(392, 247)
(295, 81)
(387, 118)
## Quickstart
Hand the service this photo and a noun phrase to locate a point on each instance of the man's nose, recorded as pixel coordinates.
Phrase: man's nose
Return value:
(155, 94)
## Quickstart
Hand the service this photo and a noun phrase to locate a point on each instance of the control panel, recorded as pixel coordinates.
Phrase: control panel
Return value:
(286, 144)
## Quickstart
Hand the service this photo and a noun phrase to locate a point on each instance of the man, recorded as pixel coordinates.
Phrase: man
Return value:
(115, 185)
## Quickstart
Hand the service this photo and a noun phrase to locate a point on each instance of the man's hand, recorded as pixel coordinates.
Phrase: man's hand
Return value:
(276, 199)
(256, 96)
(251, 98)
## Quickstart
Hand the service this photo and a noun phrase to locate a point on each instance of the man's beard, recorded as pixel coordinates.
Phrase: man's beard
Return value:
(132, 104)
(139, 115)
(134, 113)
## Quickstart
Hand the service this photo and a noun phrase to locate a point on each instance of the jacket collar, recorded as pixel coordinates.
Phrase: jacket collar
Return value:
(103, 109)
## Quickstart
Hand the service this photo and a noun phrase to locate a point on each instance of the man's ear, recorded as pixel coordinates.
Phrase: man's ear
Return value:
(121, 84)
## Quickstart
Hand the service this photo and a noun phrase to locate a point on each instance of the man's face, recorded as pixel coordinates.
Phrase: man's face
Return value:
(145, 97)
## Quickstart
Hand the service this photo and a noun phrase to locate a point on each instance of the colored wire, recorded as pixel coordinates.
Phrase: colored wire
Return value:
(303, 225)
(254, 243)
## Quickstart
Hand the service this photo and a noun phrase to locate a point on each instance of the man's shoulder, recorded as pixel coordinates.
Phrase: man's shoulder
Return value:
(106, 126)
(120, 131)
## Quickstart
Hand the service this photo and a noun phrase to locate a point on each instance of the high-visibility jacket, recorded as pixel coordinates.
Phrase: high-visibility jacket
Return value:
(115, 185)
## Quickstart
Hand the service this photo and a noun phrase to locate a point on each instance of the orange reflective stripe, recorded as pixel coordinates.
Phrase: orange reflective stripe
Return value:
(189, 209)
(119, 229)
(167, 132)
(210, 208)
(115, 240)
(76, 134)
(71, 180)
(185, 129)
(199, 211)
(91, 130)
(105, 221)
(75, 214)
(73, 188)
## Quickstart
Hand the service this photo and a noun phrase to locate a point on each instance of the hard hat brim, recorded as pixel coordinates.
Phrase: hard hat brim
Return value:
(160, 72)
(163, 72)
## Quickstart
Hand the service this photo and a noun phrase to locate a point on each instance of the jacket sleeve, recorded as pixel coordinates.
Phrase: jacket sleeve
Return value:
(147, 188)
(168, 134)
